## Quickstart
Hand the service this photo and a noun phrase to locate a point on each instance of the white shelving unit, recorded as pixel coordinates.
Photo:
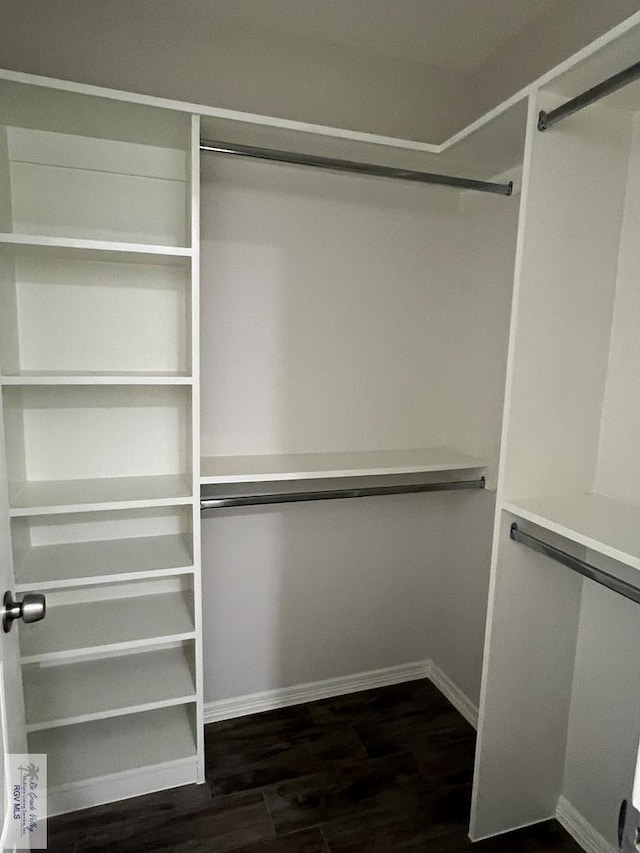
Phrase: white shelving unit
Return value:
(98, 371)
(310, 466)
(388, 332)
(561, 686)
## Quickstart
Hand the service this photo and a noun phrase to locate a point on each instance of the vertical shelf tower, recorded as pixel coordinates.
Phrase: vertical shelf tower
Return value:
(99, 375)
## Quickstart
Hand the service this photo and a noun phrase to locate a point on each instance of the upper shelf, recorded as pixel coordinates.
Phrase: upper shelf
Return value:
(98, 378)
(607, 526)
(309, 466)
(611, 57)
(99, 250)
(58, 496)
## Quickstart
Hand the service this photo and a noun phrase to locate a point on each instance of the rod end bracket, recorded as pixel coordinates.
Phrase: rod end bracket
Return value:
(542, 120)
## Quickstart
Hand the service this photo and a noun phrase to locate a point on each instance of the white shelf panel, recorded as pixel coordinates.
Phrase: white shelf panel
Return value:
(308, 466)
(126, 252)
(57, 496)
(70, 630)
(81, 378)
(119, 745)
(106, 561)
(609, 527)
(79, 692)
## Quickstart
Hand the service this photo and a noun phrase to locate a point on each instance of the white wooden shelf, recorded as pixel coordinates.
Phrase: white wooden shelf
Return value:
(127, 252)
(58, 496)
(86, 378)
(89, 690)
(106, 561)
(607, 526)
(308, 466)
(124, 744)
(138, 621)
(81, 378)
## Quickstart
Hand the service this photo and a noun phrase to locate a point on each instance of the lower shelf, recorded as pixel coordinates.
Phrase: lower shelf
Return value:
(105, 760)
(64, 694)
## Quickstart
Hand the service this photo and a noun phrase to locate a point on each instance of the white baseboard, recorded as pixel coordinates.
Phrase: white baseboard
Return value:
(227, 709)
(581, 830)
(269, 700)
(119, 786)
(458, 699)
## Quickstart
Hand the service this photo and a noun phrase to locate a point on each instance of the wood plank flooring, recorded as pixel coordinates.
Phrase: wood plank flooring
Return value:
(381, 771)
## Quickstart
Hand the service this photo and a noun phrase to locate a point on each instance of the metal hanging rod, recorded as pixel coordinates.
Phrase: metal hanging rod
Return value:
(607, 87)
(351, 166)
(576, 564)
(224, 502)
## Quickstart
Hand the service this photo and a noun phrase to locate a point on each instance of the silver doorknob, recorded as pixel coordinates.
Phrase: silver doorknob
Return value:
(32, 608)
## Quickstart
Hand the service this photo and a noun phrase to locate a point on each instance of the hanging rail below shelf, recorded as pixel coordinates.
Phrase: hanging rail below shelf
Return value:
(225, 502)
(335, 165)
(576, 564)
(601, 90)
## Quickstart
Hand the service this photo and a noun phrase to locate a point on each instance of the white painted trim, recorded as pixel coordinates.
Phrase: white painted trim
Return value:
(458, 699)
(269, 700)
(254, 703)
(217, 112)
(504, 442)
(324, 130)
(194, 180)
(120, 786)
(510, 829)
(580, 829)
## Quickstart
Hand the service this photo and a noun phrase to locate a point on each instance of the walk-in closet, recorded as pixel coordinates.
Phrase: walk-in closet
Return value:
(290, 411)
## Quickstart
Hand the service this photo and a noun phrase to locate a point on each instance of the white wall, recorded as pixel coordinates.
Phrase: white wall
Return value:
(341, 312)
(327, 306)
(618, 465)
(604, 722)
(307, 592)
(547, 42)
(479, 340)
(185, 50)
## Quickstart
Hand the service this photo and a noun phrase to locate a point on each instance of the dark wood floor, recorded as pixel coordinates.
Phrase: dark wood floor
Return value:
(382, 771)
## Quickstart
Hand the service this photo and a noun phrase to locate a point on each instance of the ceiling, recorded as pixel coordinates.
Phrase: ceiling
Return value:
(453, 35)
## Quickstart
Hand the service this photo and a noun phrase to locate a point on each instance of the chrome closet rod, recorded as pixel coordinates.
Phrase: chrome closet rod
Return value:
(601, 90)
(576, 564)
(335, 494)
(335, 165)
